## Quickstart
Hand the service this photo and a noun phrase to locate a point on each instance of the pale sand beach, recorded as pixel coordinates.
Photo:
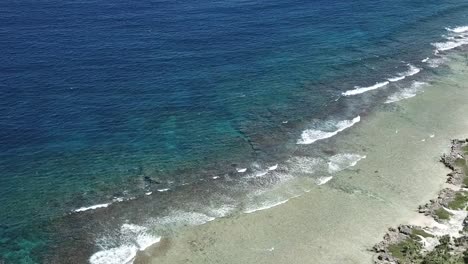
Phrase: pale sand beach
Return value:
(339, 221)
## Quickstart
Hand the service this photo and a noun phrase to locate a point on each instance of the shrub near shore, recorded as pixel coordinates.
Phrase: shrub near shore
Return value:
(417, 245)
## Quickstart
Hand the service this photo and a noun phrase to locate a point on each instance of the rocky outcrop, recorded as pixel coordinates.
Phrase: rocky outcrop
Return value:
(435, 205)
(457, 153)
(406, 243)
(392, 237)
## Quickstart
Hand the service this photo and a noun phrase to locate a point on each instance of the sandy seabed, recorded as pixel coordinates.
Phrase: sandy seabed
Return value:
(338, 222)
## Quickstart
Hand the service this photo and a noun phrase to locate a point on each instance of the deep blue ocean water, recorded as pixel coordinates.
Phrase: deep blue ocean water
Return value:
(97, 96)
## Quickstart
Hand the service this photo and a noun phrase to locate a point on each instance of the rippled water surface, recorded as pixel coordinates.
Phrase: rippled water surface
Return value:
(108, 101)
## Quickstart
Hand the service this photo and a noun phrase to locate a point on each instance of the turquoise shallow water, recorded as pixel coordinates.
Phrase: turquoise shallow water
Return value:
(106, 101)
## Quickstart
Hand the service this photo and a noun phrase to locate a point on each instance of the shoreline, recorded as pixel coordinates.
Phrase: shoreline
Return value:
(349, 152)
(443, 235)
(402, 144)
(226, 143)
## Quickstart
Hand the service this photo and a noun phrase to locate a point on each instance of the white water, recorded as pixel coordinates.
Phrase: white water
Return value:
(360, 90)
(309, 136)
(412, 91)
(458, 29)
(242, 170)
(340, 162)
(396, 79)
(134, 238)
(323, 180)
(306, 165)
(264, 206)
(93, 207)
(457, 37)
(413, 70)
(272, 168)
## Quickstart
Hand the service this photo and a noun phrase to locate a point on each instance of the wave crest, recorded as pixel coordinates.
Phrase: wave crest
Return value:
(360, 90)
(406, 93)
(310, 136)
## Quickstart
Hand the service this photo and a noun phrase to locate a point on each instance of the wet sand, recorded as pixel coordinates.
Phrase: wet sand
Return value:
(339, 222)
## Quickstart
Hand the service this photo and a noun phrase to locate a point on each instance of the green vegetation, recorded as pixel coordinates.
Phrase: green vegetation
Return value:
(442, 214)
(407, 251)
(419, 232)
(465, 149)
(459, 202)
(463, 165)
(465, 181)
(442, 254)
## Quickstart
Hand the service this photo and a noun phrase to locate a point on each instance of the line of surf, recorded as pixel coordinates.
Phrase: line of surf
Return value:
(310, 136)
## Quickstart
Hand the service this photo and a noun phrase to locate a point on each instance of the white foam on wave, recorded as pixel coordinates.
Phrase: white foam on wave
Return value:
(264, 206)
(461, 29)
(309, 136)
(182, 218)
(261, 173)
(272, 168)
(133, 238)
(307, 165)
(457, 37)
(122, 249)
(222, 211)
(413, 90)
(444, 46)
(163, 190)
(436, 62)
(360, 90)
(323, 180)
(396, 79)
(413, 70)
(93, 207)
(241, 170)
(425, 60)
(340, 162)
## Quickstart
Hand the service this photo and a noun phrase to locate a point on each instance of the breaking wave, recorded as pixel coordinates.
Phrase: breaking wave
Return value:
(360, 90)
(310, 136)
(406, 93)
(456, 37)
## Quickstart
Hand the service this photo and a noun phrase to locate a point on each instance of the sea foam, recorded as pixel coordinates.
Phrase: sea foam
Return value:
(340, 162)
(264, 206)
(133, 238)
(412, 70)
(360, 90)
(272, 168)
(413, 90)
(309, 136)
(241, 170)
(456, 37)
(93, 207)
(461, 29)
(182, 218)
(306, 165)
(323, 180)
